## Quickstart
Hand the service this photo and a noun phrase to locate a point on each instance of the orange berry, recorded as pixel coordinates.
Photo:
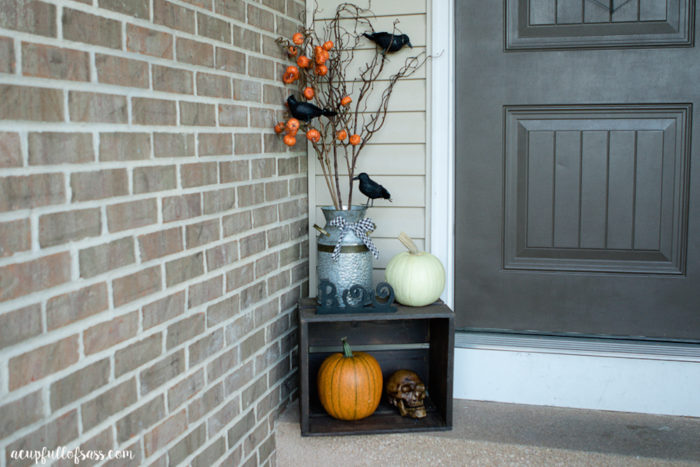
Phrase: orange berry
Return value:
(298, 38)
(321, 70)
(291, 74)
(328, 45)
(303, 61)
(279, 128)
(341, 135)
(313, 135)
(289, 140)
(292, 51)
(309, 93)
(345, 101)
(355, 140)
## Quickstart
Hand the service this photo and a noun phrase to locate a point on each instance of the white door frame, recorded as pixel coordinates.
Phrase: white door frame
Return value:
(628, 377)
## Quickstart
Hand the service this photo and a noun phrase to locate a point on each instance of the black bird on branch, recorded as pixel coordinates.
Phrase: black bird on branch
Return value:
(305, 111)
(389, 42)
(371, 189)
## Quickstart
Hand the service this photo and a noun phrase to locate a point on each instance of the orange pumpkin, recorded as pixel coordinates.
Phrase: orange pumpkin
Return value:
(341, 135)
(313, 135)
(345, 101)
(291, 74)
(292, 126)
(321, 70)
(279, 128)
(298, 38)
(350, 385)
(303, 61)
(289, 140)
(328, 45)
(355, 140)
(309, 93)
(292, 51)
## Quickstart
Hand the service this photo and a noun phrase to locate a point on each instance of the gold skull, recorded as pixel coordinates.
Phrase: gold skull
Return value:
(406, 391)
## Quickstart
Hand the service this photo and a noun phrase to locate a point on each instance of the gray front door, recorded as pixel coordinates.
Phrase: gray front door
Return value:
(577, 159)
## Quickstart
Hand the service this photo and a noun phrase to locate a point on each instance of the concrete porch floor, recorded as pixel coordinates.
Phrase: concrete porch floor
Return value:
(497, 434)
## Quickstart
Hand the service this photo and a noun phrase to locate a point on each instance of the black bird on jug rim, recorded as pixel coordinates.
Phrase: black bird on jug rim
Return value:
(305, 111)
(389, 42)
(371, 189)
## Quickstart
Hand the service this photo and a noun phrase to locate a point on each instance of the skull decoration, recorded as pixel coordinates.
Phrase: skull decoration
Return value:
(406, 391)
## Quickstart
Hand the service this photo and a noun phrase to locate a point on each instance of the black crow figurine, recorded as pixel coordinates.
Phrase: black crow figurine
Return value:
(305, 111)
(389, 42)
(371, 189)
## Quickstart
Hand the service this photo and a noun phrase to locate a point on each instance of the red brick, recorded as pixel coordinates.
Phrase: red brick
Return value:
(154, 178)
(20, 279)
(22, 412)
(134, 286)
(197, 113)
(243, 37)
(121, 71)
(10, 150)
(107, 257)
(248, 143)
(19, 325)
(249, 195)
(159, 244)
(213, 28)
(45, 61)
(60, 148)
(261, 68)
(239, 277)
(288, 166)
(15, 236)
(277, 236)
(274, 94)
(194, 52)
(172, 80)
(30, 103)
(67, 226)
(124, 146)
(222, 417)
(206, 347)
(198, 174)
(43, 361)
(162, 371)
(259, 18)
(132, 214)
(219, 200)
(182, 207)
(235, 10)
(213, 85)
(233, 115)
(222, 364)
(278, 282)
(276, 190)
(146, 111)
(263, 168)
(105, 335)
(173, 145)
(185, 389)
(148, 41)
(234, 171)
(202, 233)
(230, 60)
(264, 215)
(173, 16)
(33, 17)
(222, 255)
(204, 292)
(183, 269)
(108, 403)
(73, 306)
(247, 90)
(185, 330)
(7, 55)
(93, 107)
(137, 8)
(262, 118)
(79, 383)
(84, 27)
(164, 433)
(99, 185)
(56, 433)
(163, 310)
(237, 223)
(137, 354)
(215, 144)
(298, 186)
(140, 419)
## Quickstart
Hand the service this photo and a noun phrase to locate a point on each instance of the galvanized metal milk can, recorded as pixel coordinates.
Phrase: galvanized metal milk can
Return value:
(353, 264)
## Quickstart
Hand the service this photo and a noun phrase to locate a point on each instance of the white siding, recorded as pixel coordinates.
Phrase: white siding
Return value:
(397, 156)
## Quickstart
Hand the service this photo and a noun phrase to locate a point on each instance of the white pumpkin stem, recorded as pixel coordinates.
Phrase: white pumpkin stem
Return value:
(408, 243)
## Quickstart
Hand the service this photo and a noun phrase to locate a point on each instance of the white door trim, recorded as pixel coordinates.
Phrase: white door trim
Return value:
(606, 379)
(442, 150)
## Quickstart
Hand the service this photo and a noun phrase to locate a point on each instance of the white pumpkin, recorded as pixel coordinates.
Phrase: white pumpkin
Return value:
(417, 277)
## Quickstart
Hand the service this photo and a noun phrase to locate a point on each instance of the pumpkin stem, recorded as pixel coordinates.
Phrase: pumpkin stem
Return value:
(346, 348)
(408, 243)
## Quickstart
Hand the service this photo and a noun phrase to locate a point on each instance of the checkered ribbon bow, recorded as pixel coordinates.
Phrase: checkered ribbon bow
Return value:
(358, 228)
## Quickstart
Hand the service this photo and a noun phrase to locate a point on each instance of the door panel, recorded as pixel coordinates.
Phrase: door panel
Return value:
(576, 177)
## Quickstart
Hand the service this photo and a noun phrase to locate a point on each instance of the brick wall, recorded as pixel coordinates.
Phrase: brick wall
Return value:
(153, 230)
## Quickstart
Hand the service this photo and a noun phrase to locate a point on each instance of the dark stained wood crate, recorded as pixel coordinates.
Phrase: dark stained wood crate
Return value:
(419, 339)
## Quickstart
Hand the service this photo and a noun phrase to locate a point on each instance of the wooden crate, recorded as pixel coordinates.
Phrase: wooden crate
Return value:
(418, 339)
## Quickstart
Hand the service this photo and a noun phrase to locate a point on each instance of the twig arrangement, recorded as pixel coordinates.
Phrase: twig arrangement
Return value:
(325, 56)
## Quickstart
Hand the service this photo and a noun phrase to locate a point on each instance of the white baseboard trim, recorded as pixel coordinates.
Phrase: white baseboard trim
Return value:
(579, 373)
